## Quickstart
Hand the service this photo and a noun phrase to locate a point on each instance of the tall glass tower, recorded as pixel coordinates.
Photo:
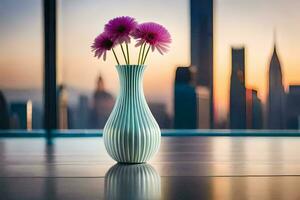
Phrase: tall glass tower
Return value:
(238, 90)
(201, 12)
(276, 98)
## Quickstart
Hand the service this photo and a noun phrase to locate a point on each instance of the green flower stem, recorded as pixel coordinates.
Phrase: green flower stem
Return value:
(124, 54)
(146, 55)
(143, 52)
(115, 56)
(127, 54)
(140, 53)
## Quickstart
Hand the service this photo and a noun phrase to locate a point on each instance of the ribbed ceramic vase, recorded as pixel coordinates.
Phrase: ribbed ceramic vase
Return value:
(131, 134)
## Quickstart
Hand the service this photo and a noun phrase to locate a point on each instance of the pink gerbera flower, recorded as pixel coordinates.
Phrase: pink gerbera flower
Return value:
(102, 43)
(153, 34)
(120, 28)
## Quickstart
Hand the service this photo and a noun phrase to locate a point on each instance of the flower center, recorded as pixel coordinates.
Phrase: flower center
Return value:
(150, 37)
(121, 29)
(107, 44)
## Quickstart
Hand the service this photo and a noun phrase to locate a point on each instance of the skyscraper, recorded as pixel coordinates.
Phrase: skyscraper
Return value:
(185, 100)
(293, 107)
(202, 45)
(21, 114)
(203, 102)
(276, 102)
(63, 110)
(83, 112)
(159, 111)
(4, 114)
(102, 105)
(238, 90)
(254, 114)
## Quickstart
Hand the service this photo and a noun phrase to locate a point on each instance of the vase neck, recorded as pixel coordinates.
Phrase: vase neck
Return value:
(131, 78)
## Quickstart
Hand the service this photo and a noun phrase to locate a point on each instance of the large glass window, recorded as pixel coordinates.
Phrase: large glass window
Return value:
(231, 65)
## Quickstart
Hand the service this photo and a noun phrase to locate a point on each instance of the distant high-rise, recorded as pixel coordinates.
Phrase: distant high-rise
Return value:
(63, 110)
(83, 112)
(159, 111)
(185, 100)
(293, 107)
(202, 46)
(4, 115)
(253, 110)
(276, 102)
(203, 102)
(102, 105)
(21, 115)
(238, 90)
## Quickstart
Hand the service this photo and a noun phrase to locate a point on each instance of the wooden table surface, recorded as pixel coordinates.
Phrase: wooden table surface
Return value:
(184, 168)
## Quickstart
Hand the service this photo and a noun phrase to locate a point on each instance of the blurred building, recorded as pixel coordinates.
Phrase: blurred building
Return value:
(185, 100)
(83, 110)
(63, 111)
(102, 106)
(293, 107)
(4, 115)
(14, 95)
(276, 101)
(21, 115)
(37, 116)
(159, 111)
(201, 12)
(203, 110)
(254, 114)
(238, 90)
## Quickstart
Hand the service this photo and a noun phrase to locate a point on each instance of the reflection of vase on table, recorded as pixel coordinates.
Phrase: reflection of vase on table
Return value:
(132, 182)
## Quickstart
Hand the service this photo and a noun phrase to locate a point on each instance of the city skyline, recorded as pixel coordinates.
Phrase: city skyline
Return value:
(230, 30)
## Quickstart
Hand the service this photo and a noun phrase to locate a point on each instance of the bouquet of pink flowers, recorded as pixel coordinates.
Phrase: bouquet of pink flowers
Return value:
(120, 30)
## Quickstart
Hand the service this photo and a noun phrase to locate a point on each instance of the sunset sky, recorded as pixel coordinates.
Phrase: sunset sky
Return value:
(236, 22)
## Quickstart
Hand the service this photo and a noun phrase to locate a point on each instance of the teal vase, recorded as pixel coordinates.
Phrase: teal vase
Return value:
(131, 134)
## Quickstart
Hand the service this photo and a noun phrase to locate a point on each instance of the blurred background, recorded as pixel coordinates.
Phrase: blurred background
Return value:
(233, 64)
